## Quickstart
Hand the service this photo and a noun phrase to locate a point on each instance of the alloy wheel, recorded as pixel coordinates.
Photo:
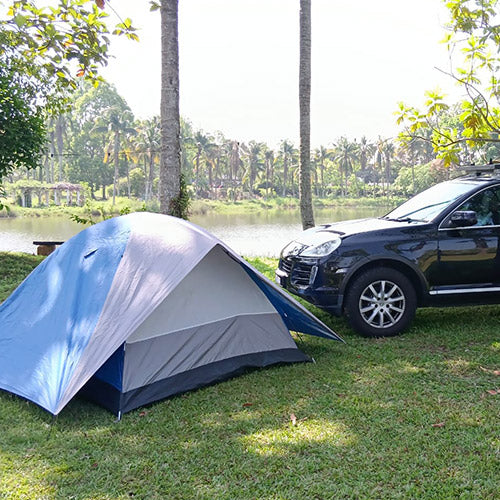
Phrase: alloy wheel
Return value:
(382, 303)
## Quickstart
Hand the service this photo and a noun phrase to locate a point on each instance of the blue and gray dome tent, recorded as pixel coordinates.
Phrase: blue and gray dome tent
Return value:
(139, 308)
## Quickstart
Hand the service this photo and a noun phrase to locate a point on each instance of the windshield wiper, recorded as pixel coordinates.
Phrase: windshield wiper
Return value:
(403, 219)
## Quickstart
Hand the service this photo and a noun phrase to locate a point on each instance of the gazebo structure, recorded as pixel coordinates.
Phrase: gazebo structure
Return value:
(62, 193)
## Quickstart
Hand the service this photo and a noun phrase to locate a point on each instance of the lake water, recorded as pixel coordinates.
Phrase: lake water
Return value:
(258, 234)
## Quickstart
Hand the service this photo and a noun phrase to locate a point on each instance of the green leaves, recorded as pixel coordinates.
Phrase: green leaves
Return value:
(44, 52)
(154, 6)
(73, 31)
(472, 37)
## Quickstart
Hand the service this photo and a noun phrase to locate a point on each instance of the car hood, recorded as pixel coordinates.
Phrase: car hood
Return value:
(347, 228)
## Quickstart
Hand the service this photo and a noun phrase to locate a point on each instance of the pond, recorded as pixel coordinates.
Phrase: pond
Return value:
(261, 234)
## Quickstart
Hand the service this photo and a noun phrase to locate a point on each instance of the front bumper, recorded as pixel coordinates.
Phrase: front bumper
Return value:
(328, 298)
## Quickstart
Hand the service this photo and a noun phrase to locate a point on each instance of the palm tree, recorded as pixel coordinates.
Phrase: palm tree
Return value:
(58, 131)
(269, 163)
(149, 144)
(321, 155)
(286, 153)
(118, 125)
(203, 145)
(365, 150)
(305, 194)
(379, 160)
(346, 153)
(170, 153)
(388, 151)
(253, 153)
(383, 157)
(235, 160)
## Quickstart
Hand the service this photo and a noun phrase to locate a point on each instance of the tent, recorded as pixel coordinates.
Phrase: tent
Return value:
(139, 308)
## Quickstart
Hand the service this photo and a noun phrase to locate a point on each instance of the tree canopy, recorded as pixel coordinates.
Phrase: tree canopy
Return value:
(473, 41)
(44, 51)
(22, 125)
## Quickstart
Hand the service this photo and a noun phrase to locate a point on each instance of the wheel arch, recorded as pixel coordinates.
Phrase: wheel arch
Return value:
(413, 275)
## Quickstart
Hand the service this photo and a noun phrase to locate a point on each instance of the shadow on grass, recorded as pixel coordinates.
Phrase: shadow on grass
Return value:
(399, 418)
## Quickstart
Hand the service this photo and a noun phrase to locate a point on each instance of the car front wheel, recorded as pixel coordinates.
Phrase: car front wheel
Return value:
(381, 302)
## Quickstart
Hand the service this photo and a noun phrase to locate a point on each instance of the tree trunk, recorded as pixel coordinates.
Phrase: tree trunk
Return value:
(322, 173)
(52, 158)
(60, 145)
(128, 179)
(170, 150)
(116, 161)
(305, 194)
(197, 169)
(316, 184)
(150, 178)
(285, 174)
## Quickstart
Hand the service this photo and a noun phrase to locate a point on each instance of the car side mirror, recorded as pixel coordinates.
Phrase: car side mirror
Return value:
(463, 218)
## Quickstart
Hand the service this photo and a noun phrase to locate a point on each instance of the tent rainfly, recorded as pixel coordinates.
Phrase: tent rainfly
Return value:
(139, 308)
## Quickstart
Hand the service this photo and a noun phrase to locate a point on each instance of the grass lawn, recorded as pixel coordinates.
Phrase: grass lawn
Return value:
(416, 416)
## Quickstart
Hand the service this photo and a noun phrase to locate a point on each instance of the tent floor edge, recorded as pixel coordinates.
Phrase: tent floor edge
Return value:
(209, 374)
(111, 398)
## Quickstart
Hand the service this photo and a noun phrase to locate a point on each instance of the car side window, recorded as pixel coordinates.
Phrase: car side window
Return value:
(486, 205)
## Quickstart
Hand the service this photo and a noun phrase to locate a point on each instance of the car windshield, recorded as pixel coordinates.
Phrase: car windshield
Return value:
(426, 205)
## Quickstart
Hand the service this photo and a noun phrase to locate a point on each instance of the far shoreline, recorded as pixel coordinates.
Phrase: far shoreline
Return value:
(96, 208)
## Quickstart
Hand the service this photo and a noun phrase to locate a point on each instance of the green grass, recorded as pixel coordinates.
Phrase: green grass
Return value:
(407, 417)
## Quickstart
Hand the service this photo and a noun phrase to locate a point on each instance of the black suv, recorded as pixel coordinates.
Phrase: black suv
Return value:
(439, 248)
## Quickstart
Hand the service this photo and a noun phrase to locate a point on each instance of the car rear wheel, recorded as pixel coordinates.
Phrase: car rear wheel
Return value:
(381, 302)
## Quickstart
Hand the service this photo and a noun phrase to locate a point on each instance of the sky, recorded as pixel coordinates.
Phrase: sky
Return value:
(239, 64)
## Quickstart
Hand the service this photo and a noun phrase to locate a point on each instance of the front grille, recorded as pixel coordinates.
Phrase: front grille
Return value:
(301, 274)
(286, 265)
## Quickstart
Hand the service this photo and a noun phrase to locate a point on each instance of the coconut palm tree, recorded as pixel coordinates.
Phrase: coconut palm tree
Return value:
(305, 194)
(253, 153)
(286, 153)
(383, 157)
(346, 154)
(118, 125)
(204, 143)
(235, 160)
(149, 144)
(322, 154)
(388, 151)
(269, 164)
(170, 153)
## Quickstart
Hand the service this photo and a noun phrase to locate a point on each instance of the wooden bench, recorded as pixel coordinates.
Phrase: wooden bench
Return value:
(46, 247)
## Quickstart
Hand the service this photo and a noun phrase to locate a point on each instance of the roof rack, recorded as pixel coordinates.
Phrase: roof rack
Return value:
(491, 168)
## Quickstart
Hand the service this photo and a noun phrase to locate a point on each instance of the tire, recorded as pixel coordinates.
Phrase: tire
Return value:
(375, 315)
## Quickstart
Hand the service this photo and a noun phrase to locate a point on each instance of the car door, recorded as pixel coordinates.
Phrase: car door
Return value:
(469, 256)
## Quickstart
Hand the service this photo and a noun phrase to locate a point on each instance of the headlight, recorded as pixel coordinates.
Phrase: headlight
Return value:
(292, 248)
(323, 249)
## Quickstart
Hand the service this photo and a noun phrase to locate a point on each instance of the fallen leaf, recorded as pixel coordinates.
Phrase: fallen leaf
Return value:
(94, 465)
(495, 372)
(246, 405)
(438, 424)
(493, 392)
(143, 413)
(293, 419)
